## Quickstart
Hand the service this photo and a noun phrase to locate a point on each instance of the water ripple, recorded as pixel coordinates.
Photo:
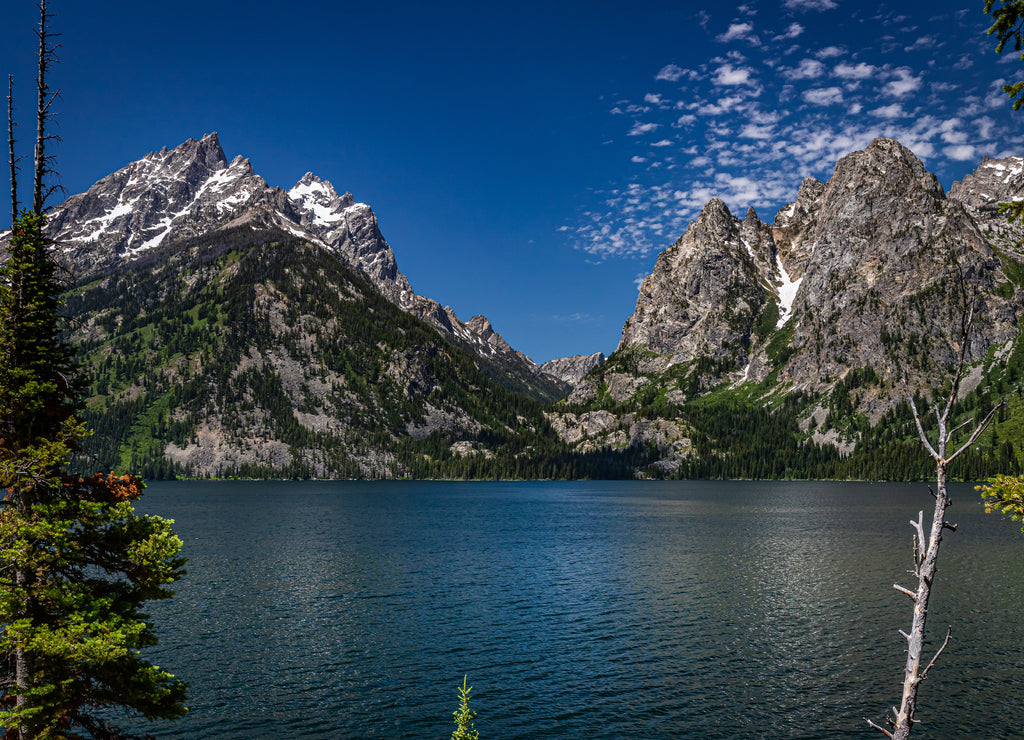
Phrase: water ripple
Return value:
(580, 610)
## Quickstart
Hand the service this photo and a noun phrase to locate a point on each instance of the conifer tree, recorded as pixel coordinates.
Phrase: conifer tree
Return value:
(77, 563)
(464, 716)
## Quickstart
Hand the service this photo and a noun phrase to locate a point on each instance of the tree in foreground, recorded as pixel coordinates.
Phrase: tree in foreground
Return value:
(1004, 494)
(77, 563)
(464, 716)
(926, 550)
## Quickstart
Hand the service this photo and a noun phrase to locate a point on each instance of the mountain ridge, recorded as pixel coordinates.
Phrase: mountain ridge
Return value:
(176, 194)
(230, 331)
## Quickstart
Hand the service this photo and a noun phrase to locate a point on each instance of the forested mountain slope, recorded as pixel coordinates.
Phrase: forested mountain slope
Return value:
(253, 352)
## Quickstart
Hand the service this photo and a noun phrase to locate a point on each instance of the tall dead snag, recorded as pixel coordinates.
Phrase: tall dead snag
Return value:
(10, 146)
(45, 98)
(926, 552)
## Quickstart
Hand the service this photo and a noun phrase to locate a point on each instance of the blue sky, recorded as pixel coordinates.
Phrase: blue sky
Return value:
(526, 161)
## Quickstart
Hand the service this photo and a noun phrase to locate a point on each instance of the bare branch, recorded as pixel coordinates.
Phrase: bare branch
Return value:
(924, 673)
(977, 432)
(920, 540)
(907, 591)
(920, 428)
(880, 729)
(47, 56)
(950, 527)
(956, 429)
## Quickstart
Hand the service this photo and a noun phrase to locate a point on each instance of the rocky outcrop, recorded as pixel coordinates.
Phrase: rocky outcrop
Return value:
(994, 181)
(572, 369)
(705, 292)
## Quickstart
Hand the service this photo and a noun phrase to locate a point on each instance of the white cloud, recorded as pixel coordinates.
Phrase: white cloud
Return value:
(674, 73)
(639, 129)
(951, 133)
(830, 52)
(752, 131)
(853, 71)
(638, 160)
(792, 31)
(904, 83)
(724, 105)
(823, 95)
(653, 99)
(572, 317)
(727, 74)
(889, 111)
(924, 42)
(685, 120)
(737, 32)
(805, 5)
(663, 142)
(808, 69)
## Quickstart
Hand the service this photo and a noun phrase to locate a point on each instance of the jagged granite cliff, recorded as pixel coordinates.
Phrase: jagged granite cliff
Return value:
(193, 190)
(572, 369)
(864, 274)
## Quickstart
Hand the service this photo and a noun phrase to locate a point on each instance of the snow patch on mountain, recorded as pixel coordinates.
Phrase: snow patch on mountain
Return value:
(787, 293)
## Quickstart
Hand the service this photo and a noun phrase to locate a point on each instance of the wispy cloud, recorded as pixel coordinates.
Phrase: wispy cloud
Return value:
(807, 69)
(728, 75)
(903, 83)
(824, 95)
(738, 32)
(859, 71)
(806, 5)
(639, 129)
(749, 123)
(672, 73)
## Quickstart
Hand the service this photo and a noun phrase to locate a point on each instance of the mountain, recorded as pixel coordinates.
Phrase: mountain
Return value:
(250, 351)
(855, 289)
(232, 328)
(192, 190)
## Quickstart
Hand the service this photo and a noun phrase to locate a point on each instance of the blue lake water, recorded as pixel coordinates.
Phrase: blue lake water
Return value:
(580, 610)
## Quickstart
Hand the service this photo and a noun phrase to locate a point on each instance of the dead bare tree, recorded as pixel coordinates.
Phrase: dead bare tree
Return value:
(926, 552)
(44, 115)
(10, 143)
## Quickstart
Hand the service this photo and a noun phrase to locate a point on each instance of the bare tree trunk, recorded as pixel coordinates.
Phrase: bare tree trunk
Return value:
(21, 670)
(924, 568)
(926, 552)
(47, 55)
(10, 145)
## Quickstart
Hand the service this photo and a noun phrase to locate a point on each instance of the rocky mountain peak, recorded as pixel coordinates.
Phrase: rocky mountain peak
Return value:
(994, 181)
(173, 195)
(883, 165)
(705, 291)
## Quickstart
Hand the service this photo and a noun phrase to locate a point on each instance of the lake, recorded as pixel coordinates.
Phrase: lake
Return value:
(580, 610)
